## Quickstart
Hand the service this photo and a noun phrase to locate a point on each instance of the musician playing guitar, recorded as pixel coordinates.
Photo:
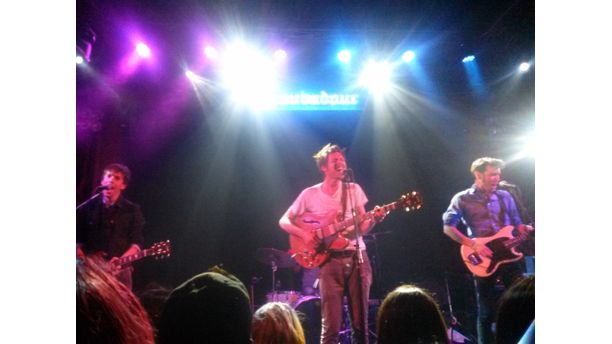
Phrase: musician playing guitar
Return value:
(329, 202)
(487, 213)
(111, 225)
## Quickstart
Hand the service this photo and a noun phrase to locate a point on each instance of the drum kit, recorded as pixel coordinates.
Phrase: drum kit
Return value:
(278, 259)
(308, 306)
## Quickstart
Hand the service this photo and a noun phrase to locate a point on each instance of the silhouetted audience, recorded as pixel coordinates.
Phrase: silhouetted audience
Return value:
(410, 314)
(106, 310)
(152, 298)
(211, 307)
(516, 311)
(277, 323)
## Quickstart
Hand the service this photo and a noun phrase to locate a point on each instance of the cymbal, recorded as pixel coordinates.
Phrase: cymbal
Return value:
(272, 256)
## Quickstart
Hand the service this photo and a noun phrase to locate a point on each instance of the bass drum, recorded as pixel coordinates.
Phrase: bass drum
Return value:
(287, 296)
(309, 312)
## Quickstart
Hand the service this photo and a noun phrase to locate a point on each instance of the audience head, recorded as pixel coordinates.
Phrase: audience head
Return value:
(211, 307)
(410, 314)
(152, 298)
(516, 310)
(277, 323)
(107, 311)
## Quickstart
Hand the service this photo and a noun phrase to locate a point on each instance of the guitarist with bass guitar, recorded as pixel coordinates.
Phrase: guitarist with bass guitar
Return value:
(492, 220)
(329, 202)
(109, 224)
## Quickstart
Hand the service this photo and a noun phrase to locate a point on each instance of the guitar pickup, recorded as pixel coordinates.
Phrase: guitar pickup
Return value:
(474, 259)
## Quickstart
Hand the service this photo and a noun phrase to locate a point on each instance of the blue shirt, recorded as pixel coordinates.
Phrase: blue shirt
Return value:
(482, 215)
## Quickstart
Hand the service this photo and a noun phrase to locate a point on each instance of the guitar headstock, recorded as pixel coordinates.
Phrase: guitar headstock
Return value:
(160, 249)
(411, 201)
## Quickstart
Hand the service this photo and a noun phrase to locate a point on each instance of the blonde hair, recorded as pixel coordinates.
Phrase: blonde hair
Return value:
(481, 164)
(276, 323)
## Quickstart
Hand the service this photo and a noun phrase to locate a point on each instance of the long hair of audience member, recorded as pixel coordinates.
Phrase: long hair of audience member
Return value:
(410, 314)
(107, 311)
(277, 323)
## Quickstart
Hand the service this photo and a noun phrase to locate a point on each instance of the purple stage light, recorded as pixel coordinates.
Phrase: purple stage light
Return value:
(143, 50)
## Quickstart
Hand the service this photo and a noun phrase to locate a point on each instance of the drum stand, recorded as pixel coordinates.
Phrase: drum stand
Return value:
(345, 334)
(454, 335)
(274, 269)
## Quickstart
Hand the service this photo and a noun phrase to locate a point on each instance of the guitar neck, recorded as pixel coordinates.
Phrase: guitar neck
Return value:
(342, 225)
(516, 240)
(133, 257)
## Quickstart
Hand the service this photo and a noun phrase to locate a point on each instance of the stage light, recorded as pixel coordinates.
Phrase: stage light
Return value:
(280, 55)
(408, 56)
(143, 50)
(79, 59)
(468, 58)
(210, 52)
(376, 76)
(526, 146)
(85, 41)
(523, 67)
(344, 56)
(249, 76)
(190, 75)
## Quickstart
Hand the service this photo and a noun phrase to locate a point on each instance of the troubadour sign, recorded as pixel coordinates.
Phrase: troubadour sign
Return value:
(321, 101)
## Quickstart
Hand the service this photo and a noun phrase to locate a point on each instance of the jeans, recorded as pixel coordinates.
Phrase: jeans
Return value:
(337, 277)
(487, 296)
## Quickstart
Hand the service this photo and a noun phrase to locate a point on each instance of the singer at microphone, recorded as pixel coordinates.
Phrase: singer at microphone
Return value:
(110, 212)
(347, 269)
(101, 188)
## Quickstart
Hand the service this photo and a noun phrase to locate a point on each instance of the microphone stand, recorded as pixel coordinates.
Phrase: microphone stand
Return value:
(358, 259)
(96, 195)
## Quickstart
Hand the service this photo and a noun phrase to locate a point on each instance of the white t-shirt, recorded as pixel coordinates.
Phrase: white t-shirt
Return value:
(314, 201)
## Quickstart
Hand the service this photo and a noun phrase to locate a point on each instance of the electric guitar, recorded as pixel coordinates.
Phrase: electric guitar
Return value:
(330, 234)
(158, 250)
(502, 244)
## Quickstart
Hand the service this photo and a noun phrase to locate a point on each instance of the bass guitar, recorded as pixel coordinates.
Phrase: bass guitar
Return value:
(502, 244)
(330, 234)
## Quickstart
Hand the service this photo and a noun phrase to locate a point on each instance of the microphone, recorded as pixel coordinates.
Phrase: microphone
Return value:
(505, 184)
(102, 188)
(347, 175)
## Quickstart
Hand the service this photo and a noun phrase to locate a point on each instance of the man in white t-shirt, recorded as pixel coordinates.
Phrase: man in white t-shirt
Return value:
(330, 201)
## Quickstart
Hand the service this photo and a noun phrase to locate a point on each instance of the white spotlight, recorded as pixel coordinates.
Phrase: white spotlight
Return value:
(280, 55)
(524, 67)
(344, 56)
(468, 58)
(408, 56)
(210, 52)
(250, 77)
(376, 76)
(190, 75)
(79, 59)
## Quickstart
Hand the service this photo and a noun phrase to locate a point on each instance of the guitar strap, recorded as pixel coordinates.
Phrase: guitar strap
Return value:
(343, 200)
(502, 207)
